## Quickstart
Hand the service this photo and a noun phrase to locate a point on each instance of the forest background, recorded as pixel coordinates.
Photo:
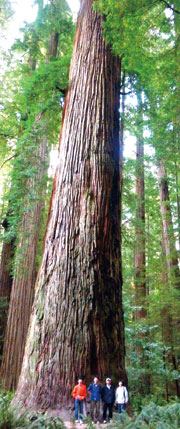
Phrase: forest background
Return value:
(145, 35)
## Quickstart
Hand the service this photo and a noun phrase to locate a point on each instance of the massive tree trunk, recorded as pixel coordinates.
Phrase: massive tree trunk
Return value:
(77, 321)
(23, 284)
(168, 233)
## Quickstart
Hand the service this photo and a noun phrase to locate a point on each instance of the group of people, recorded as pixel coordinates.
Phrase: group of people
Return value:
(97, 392)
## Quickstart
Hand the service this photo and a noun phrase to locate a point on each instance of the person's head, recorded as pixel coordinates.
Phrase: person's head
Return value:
(80, 380)
(120, 383)
(96, 379)
(108, 381)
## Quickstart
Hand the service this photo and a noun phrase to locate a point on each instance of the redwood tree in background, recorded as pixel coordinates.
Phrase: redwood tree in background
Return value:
(23, 282)
(139, 256)
(139, 253)
(5, 282)
(77, 322)
(25, 269)
(167, 224)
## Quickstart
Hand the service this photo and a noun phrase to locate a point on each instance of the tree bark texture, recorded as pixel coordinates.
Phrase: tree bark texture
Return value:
(5, 268)
(169, 239)
(5, 285)
(139, 255)
(77, 322)
(23, 283)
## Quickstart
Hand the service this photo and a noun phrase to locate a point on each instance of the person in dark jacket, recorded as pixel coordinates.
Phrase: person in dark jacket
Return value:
(95, 390)
(108, 397)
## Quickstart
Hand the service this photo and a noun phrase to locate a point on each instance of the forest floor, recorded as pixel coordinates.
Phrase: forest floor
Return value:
(73, 425)
(68, 419)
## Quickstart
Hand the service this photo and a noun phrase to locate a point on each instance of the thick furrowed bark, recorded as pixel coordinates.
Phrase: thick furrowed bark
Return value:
(77, 322)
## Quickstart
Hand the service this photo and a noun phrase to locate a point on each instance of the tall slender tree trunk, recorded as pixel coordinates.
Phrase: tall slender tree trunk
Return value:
(139, 254)
(173, 275)
(5, 283)
(168, 329)
(177, 175)
(23, 284)
(169, 239)
(77, 323)
(26, 270)
(139, 257)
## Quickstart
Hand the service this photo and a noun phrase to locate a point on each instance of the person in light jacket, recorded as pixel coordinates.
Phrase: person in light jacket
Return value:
(121, 397)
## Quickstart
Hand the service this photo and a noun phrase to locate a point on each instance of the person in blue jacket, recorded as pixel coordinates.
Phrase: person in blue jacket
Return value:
(95, 389)
(108, 397)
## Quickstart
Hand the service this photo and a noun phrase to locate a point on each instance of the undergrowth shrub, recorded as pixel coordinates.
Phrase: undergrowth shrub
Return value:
(152, 416)
(10, 417)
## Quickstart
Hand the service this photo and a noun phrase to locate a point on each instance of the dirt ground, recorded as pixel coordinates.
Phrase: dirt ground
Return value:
(68, 418)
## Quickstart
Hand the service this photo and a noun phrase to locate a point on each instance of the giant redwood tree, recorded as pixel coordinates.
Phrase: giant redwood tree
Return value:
(77, 326)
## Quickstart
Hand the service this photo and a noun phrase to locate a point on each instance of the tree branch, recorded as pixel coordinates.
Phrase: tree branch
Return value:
(126, 93)
(169, 6)
(6, 160)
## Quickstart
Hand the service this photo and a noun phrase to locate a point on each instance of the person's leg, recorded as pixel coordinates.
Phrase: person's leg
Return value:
(104, 411)
(122, 408)
(92, 410)
(81, 409)
(97, 411)
(110, 411)
(76, 409)
(119, 408)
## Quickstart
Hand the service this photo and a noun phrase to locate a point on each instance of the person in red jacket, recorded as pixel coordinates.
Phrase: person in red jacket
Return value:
(79, 394)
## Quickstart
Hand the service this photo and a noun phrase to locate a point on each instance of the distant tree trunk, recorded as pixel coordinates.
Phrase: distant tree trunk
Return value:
(168, 329)
(177, 169)
(23, 285)
(169, 239)
(77, 323)
(26, 270)
(6, 262)
(173, 275)
(139, 256)
(5, 283)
